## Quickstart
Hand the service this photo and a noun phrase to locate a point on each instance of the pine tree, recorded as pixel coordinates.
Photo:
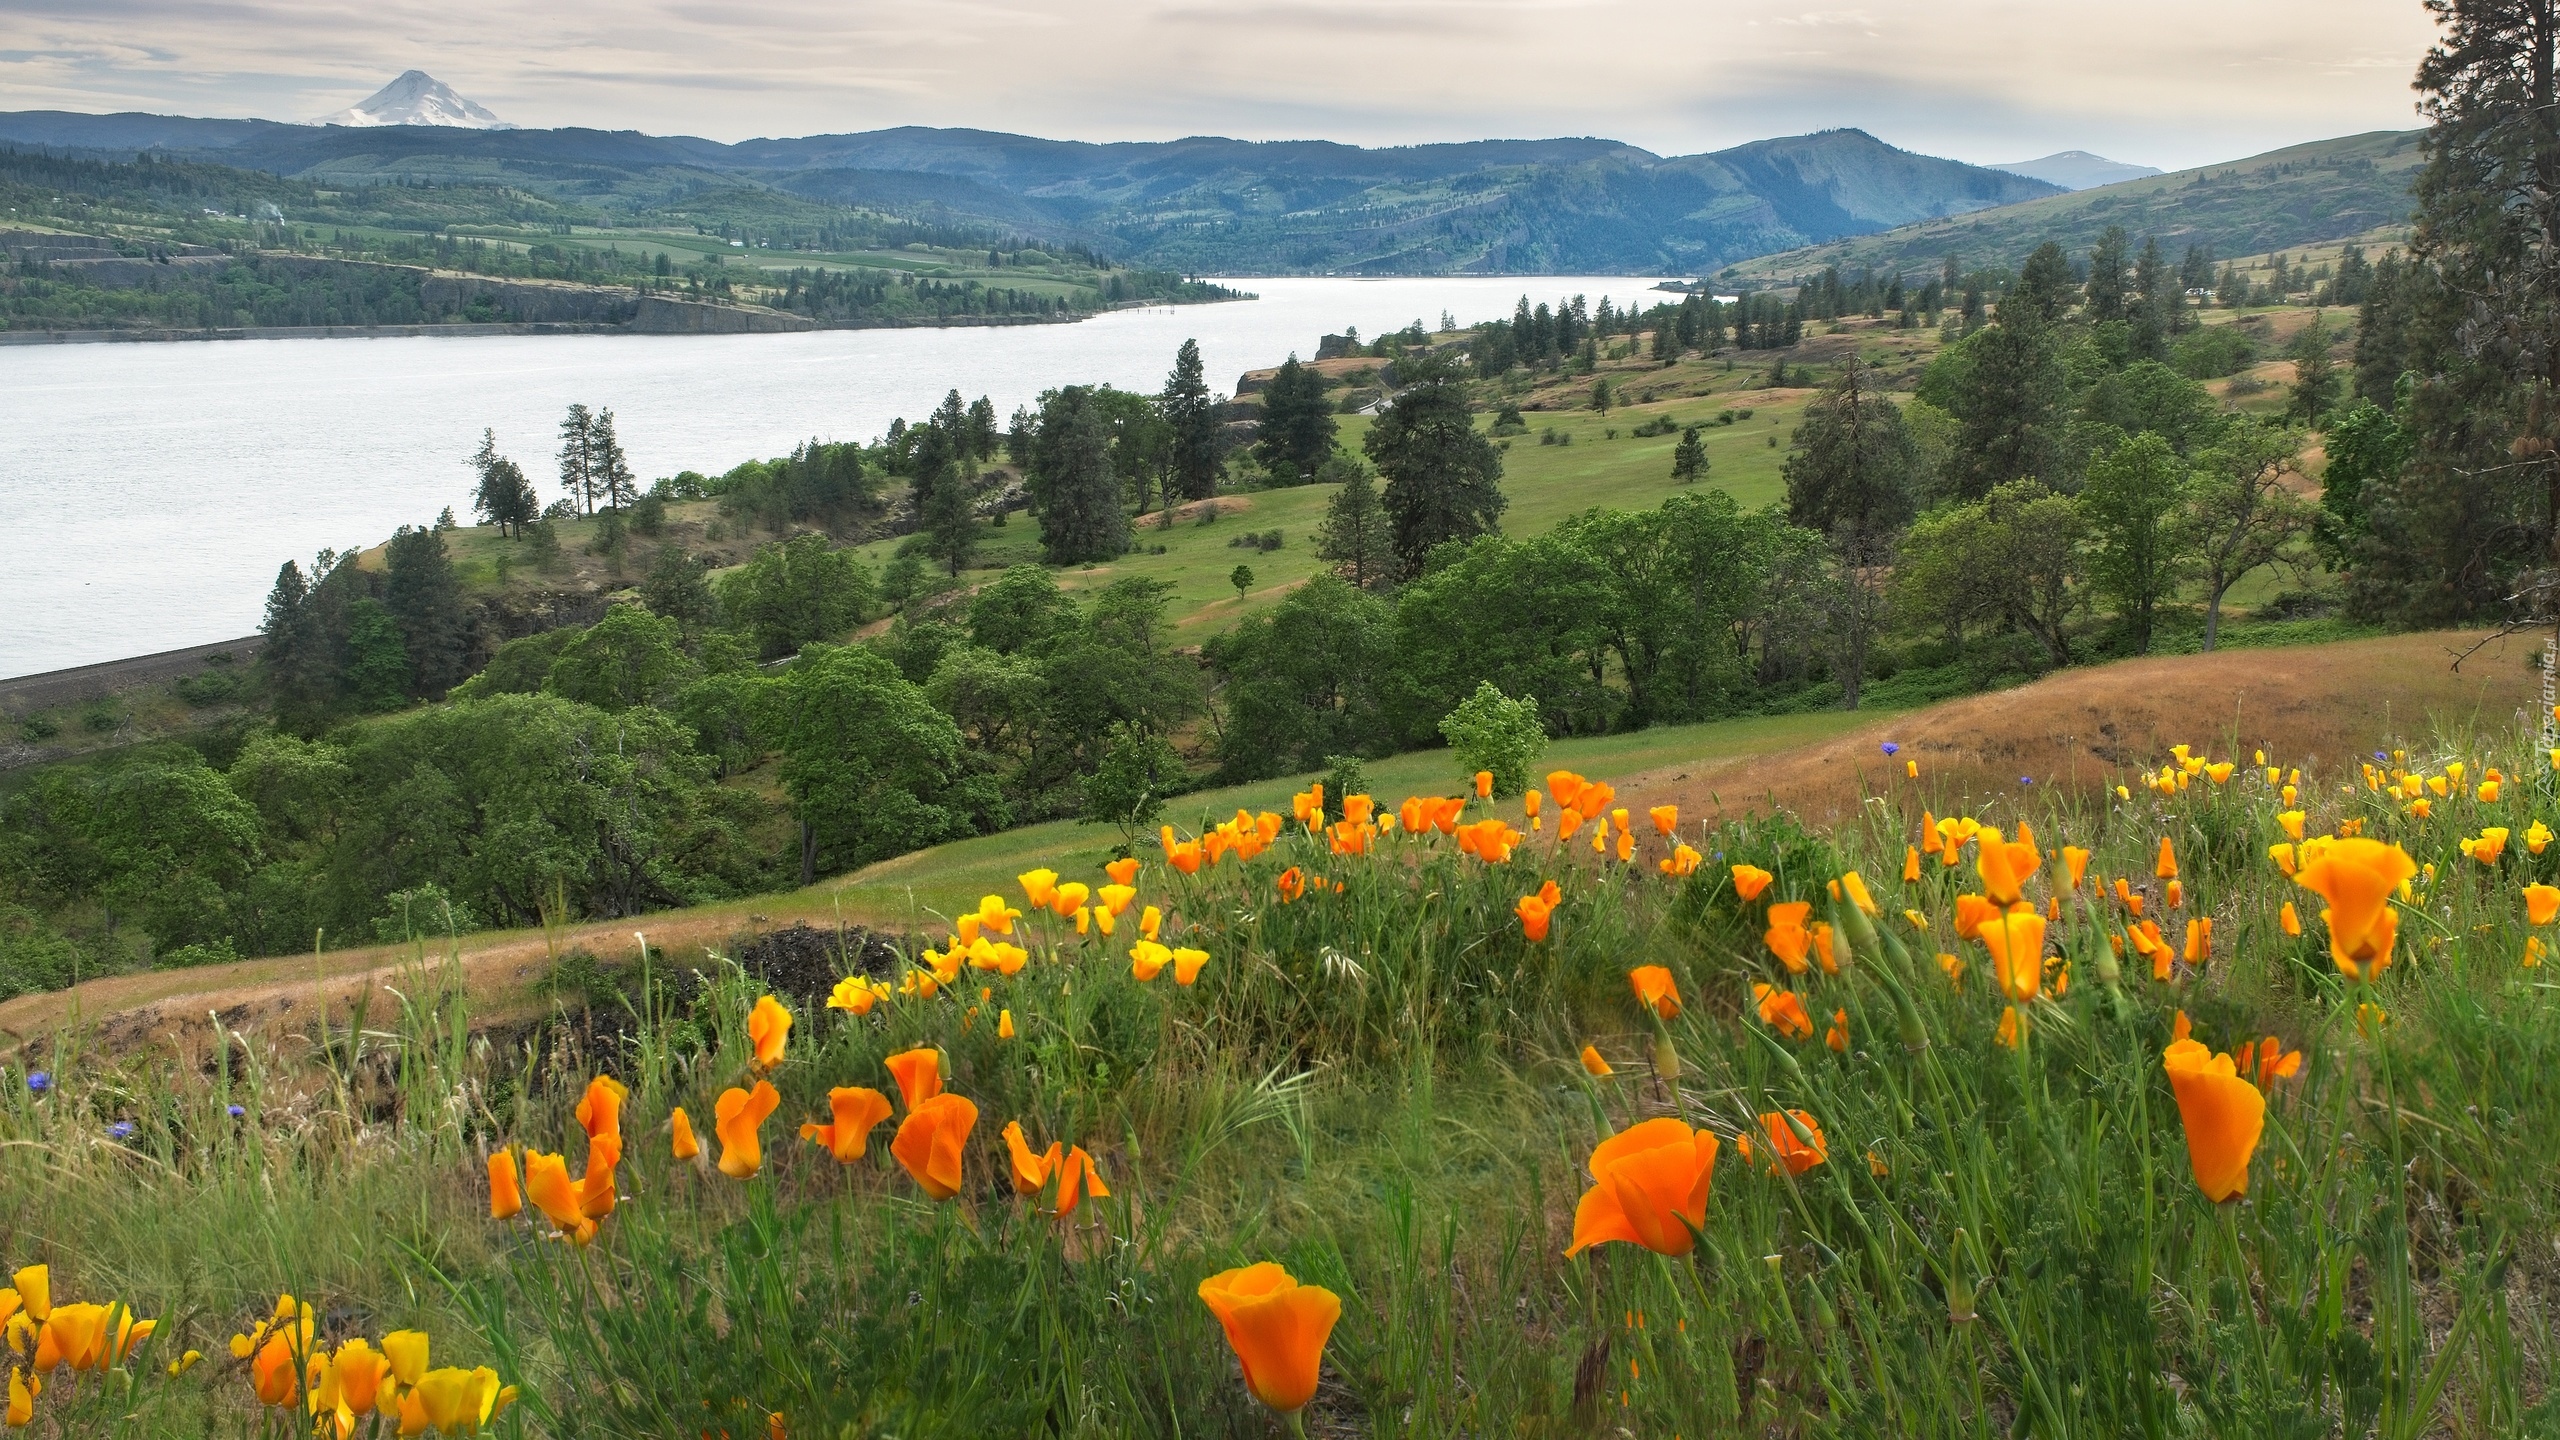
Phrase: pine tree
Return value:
(1354, 534)
(2106, 290)
(1852, 469)
(1689, 458)
(608, 468)
(294, 662)
(1192, 414)
(2151, 307)
(1298, 427)
(424, 596)
(983, 434)
(2011, 406)
(1444, 479)
(577, 458)
(1074, 487)
(504, 497)
(946, 508)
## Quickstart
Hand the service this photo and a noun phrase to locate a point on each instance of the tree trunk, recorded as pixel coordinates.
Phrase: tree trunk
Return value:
(808, 855)
(2213, 615)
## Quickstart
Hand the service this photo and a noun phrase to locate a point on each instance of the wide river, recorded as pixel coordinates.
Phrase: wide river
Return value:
(148, 492)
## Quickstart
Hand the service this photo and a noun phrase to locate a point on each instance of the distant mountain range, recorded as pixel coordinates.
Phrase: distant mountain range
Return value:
(1204, 205)
(2074, 170)
(2301, 195)
(416, 98)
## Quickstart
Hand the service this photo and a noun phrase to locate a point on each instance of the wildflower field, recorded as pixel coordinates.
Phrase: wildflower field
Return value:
(2221, 1101)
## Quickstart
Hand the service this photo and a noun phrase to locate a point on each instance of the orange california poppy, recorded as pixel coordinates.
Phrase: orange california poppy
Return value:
(1484, 784)
(684, 1145)
(1650, 1188)
(1593, 1065)
(929, 1143)
(2223, 1114)
(853, 1111)
(1123, 871)
(768, 1029)
(2167, 865)
(1186, 965)
(1782, 1011)
(1749, 881)
(1655, 987)
(2006, 865)
(2016, 943)
(1853, 887)
(1797, 1154)
(2541, 904)
(599, 1109)
(1039, 887)
(1535, 914)
(595, 1188)
(506, 1197)
(1787, 937)
(2075, 864)
(1030, 1169)
(1837, 1037)
(1278, 1328)
(1566, 787)
(1077, 1178)
(1291, 884)
(1666, 818)
(918, 1073)
(548, 1186)
(737, 1118)
(1910, 864)
(2357, 877)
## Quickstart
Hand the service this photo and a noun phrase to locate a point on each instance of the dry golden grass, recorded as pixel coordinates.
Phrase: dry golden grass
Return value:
(2084, 728)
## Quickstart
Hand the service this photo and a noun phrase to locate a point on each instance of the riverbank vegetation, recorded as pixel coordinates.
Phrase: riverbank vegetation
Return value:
(219, 250)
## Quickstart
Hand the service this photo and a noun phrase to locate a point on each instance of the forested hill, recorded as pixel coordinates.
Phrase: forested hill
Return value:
(1203, 204)
(2301, 195)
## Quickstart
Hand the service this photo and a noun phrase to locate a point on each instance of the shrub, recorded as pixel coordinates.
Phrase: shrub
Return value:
(1491, 731)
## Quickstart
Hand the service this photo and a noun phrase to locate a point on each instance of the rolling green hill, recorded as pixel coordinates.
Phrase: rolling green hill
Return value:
(2305, 194)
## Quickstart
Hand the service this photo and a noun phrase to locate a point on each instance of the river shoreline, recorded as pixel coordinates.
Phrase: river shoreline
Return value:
(465, 329)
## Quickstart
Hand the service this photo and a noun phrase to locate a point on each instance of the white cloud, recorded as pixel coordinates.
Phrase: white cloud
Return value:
(2173, 83)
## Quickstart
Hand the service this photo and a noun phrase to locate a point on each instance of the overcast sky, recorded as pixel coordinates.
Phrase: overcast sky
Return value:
(2170, 83)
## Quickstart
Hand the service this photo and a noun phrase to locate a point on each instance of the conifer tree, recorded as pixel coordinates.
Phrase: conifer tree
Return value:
(1444, 478)
(504, 497)
(295, 663)
(1075, 488)
(609, 469)
(1354, 534)
(946, 510)
(577, 458)
(424, 596)
(2106, 289)
(1689, 458)
(1298, 427)
(1192, 414)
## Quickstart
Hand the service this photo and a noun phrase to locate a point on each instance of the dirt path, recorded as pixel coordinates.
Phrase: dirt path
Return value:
(2077, 729)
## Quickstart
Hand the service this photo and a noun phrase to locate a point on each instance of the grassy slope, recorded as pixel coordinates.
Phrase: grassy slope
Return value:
(2074, 731)
(2305, 194)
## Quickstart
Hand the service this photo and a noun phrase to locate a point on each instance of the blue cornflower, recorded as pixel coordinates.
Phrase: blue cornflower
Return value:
(39, 1081)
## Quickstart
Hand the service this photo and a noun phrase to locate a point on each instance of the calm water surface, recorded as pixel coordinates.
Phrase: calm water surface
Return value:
(148, 492)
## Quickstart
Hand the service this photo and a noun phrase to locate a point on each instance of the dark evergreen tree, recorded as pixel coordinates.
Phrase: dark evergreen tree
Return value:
(1853, 470)
(1191, 413)
(983, 435)
(1075, 489)
(1689, 458)
(1355, 534)
(2152, 307)
(504, 497)
(424, 596)
(1444, 478)
(946, 503)
(2107, 289)
(577, 458)
(1298, 427)
(2043, 289)
(295, 662)
(2010, 406)
(610, 467)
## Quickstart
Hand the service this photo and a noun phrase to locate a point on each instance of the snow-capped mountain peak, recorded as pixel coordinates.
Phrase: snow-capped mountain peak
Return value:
(417, 98)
